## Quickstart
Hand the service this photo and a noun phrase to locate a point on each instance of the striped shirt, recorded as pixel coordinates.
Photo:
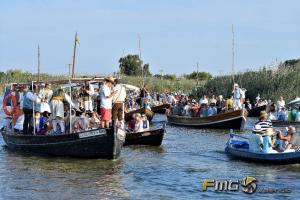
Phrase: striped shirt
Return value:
(264, 125)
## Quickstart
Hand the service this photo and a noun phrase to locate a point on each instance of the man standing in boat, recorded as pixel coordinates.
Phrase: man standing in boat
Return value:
(106, 95)
(28, 105)
(88, 92)
(118, 99)
(237, 97)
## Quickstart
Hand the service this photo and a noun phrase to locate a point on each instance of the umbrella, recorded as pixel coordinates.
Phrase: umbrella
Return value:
(294, 102)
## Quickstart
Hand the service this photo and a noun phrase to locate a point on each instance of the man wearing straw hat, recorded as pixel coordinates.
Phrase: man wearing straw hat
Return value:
(106, 95)
(264, 121)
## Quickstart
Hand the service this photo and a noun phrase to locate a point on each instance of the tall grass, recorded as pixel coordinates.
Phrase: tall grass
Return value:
(283, 80)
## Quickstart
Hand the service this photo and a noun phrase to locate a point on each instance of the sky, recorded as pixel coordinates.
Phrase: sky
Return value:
(175, 34)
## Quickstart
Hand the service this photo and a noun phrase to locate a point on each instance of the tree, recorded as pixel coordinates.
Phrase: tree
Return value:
(202, 76)
(131, 65)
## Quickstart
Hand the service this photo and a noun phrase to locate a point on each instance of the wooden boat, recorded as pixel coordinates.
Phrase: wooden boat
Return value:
(152, 137)
(98, 143)
(280, 123)
(148, 112)
(236, 149)
(255, 112)
(161, 109)
(230, 120)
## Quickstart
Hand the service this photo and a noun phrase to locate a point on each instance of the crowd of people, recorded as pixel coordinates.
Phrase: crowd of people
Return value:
(47, 111)
(266, 139)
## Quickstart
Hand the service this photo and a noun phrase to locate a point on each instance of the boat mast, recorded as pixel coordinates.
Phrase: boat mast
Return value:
(140, 55)
(197, 74)
(39, 78)
(70, 89)
(74, 55)
(232, 61)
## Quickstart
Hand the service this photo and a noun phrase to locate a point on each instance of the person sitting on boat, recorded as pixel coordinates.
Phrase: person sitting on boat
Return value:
(229, 104)
(264, 121)
(212, 100)
(290, 140)
(237, 96)
(283, 114)
(146, 125)
(28, 102)
(131, 123)
(248, 104)
(220, 103)
(120, 121)
(212, 110)
(44, 124)
(187, 109)
(37, 117)
(255, 140)
(203, 100)
(18, 119)
(268, 141)
(45, 94)
(195, 108)
(138, 127)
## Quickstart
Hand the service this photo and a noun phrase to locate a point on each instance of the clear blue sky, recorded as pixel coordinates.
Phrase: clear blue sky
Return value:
(176, 34)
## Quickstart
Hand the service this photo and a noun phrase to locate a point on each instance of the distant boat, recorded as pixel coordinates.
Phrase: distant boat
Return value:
(161, 109)
(98, 143)
(255, 112)
(229, 120)
(240, 149)
(151, 137)
(150, 114)
(280, 123)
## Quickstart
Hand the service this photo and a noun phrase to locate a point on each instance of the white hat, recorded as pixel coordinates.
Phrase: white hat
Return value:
(236, 85)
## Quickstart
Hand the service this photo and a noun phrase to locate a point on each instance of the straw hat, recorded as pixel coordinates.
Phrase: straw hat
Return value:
(263, 114)
(257, 129)
(109, 79)
(270, 132)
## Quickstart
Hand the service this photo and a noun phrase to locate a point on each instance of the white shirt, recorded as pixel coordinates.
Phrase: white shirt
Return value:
(121, 93)
(104, 93)
(280, 104)
(203, 101)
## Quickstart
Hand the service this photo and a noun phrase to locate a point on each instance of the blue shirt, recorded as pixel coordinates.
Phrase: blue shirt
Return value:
(267, 144)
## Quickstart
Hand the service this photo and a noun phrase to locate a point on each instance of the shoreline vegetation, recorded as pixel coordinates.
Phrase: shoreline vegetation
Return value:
(269, 83)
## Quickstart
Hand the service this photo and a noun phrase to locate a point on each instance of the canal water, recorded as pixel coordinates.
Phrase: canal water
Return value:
(175, 170)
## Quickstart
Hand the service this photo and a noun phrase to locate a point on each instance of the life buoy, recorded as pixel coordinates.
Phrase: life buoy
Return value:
(14, 101)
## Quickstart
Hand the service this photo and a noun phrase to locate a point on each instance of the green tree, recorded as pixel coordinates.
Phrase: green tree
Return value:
(202, 76)
(131, 65)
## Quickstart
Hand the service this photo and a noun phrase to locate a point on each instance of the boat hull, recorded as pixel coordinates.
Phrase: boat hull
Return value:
(151, 138)
(148, 112)
(230, 120)
(104, 143)
(255, 112)
(279, 123)
(160, 109)
(272, 158)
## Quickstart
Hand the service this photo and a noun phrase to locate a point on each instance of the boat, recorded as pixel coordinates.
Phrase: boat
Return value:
(150, 114)
(280, 123)
(151, 137)
(161, 109)
(97, 143)
(229, 120)
(239, 148)
(255, 112)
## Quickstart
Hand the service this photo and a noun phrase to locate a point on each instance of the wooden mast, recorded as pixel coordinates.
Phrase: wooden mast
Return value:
(74, 55)
(39, 75)
(232, 61)
(140, 55)
(197, 74)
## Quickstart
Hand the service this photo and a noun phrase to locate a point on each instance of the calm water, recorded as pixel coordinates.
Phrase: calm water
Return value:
(173, 171)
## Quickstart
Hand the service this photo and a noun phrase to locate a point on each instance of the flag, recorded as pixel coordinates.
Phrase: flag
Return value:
(77, 39)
